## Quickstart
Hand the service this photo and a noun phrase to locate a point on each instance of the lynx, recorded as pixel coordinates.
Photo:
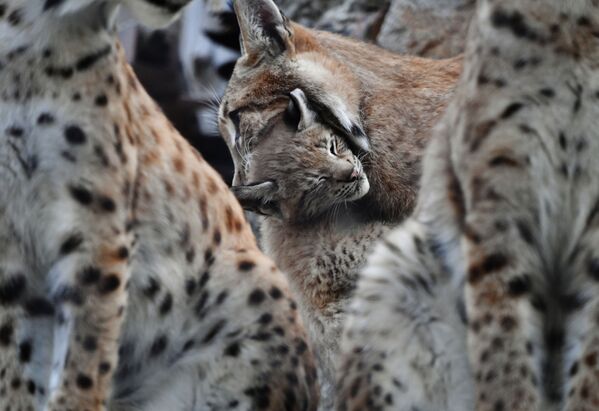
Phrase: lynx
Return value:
(309, 179)
(129, 279)
(487, 298)
(325, 154)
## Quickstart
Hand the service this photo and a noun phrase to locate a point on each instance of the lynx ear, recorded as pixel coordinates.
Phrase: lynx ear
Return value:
(260, 198)
(264, 29)
(298, 115)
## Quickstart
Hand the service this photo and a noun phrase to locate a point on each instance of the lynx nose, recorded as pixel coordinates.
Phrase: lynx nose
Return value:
(355, 174)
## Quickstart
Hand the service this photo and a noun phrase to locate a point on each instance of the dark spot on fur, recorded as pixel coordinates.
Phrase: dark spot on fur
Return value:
(166, 305)
(101, 100)
(104, 368)
(109, 284)
(519, 286)
(6, 333)
(508, 323)
(515, 23)
(152, 289)
(275, 293)
(45, 119)
(31, 387)
(246, 265)
(52, 3)
(81, 195)
(233, 350)
(256, 297)
(511, 110)
(71, 244)
(158, 346)
(25, 350)
(214, 331)
(260, 396)
(14, 18)
(547, 92)
(12, 289)
(15, 131)
(39, 307)
(491, 263)
(573, 369)
(107, 204)
(75, 135)
(84, 382)
(90, 343)
(525, 232)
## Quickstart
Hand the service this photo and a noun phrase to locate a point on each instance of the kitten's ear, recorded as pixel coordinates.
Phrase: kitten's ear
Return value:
(260, 198)
(335, 113)
(298, 115)
(264, 29)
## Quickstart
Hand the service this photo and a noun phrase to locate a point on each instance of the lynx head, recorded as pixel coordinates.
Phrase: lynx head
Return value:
(302, 169)
(279, 57)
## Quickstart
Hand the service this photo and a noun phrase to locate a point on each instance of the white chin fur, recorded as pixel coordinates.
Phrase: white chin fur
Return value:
(362, 191)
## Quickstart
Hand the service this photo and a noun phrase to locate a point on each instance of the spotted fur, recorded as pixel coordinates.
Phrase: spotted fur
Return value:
(304, 180)
(492, 287)
(129, 279)
(384, 105)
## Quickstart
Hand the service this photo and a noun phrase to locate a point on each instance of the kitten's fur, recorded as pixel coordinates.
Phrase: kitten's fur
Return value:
(384, 104)
(307, 178)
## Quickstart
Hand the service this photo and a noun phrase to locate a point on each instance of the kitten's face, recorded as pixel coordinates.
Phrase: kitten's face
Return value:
(309, 170)
(314, 171)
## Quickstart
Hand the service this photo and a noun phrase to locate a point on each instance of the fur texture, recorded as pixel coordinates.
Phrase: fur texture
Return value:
(493, 285)
(383, 104)
(129, 279)
(306, 180)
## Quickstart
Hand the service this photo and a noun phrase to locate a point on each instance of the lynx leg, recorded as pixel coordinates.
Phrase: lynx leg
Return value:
(87, 236)
(503, 340)
(404, 343)
(581, 388)
(15, 343)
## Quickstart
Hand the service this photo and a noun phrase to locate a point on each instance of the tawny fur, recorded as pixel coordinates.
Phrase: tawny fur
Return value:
(311, 228)
(129, 279)
(388, 101)
(492, 287)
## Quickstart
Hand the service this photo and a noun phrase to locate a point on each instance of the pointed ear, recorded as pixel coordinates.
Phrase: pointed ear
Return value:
(264, 29)
(260, 198)
(298, 115)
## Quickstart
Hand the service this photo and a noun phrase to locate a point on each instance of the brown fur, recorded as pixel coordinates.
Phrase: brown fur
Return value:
(395, 99)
